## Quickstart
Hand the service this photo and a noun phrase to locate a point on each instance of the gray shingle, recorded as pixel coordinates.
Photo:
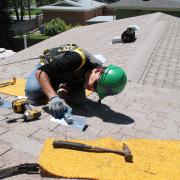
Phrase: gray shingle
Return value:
(151, 4)
(141, 111)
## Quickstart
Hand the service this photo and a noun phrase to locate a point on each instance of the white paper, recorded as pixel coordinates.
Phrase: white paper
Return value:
(60, 121)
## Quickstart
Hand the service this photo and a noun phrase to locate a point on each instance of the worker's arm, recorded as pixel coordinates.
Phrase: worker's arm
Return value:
(57, 106)
(45, 84)
(68, 63)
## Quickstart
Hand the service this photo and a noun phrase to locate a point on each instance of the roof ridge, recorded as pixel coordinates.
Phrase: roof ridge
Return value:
(137, 64)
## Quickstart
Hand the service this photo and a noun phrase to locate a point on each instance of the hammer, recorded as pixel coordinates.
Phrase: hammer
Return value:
(84, 147)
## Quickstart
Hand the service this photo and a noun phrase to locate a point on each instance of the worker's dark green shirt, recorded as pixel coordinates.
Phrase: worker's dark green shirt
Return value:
(63, 69)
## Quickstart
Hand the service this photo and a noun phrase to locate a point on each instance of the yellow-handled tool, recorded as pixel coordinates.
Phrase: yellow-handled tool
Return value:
(29, 115)
(20, 105)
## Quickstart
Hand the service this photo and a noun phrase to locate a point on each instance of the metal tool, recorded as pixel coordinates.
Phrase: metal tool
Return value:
(20, 105)
(28, 168)
(84, 147)
(29, 115)
(68, 118)
(8, 83)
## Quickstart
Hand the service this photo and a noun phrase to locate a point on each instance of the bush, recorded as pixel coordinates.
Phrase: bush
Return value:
(56, 26)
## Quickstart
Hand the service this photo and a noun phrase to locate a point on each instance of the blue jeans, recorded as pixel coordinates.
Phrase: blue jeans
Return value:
(33, 89)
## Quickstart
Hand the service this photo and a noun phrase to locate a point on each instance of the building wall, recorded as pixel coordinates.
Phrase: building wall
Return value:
(71, 17)
(125, 13)
(108, 12)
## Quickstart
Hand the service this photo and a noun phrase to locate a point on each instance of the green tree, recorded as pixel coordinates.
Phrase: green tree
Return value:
(45, 2)
(15, 4)
(5, 24)
(20, 5)
(21, 9)
(29, 8)
(39, 2)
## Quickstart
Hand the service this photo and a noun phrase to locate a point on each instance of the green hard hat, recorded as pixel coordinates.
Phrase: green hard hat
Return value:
(111, 82)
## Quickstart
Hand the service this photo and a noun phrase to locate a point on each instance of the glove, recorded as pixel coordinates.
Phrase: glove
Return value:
(57, 107)
(68, 109)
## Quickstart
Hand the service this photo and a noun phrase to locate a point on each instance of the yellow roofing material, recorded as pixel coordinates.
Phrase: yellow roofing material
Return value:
(153, 159)
(18, 89)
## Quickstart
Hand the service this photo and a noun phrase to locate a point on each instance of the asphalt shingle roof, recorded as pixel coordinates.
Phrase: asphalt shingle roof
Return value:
(151, 4)
(68, 5)
(147, 108)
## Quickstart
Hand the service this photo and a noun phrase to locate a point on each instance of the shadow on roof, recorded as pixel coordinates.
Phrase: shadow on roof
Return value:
(104, 112)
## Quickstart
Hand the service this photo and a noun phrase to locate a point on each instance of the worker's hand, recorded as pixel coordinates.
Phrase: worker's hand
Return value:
(68, 109)
(57, 107)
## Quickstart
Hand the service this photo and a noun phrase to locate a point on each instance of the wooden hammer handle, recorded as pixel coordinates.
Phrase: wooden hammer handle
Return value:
(68, 144)
(80, 146)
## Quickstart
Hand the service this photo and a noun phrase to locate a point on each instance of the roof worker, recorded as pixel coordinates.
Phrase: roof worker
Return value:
(65, 72)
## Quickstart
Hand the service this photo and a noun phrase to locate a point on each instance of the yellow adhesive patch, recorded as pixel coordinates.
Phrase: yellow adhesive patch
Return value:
(153, 159)
(16, 89)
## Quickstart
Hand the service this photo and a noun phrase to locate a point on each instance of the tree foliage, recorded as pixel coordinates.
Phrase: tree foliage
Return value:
(56, 26)
(15, 5)
(45, 2)
(5, 24)
(19, 6)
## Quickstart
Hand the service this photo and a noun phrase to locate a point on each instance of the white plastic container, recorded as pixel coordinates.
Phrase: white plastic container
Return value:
(116, 40)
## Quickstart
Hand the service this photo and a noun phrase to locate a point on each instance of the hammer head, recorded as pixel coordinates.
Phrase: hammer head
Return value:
(127, 153)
